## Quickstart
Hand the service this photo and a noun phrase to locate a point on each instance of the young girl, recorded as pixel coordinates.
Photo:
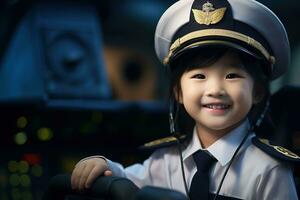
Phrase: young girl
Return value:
(221, 55)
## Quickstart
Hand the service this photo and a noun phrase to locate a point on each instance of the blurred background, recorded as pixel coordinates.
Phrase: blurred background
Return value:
(79, 78)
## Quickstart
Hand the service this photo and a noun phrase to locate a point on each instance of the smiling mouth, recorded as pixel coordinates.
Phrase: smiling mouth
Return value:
(217, 106)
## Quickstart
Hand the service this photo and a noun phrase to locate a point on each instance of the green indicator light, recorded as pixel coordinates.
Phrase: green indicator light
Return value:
(45, 134)
(12, 166)
(20, 138)
(22, 122)
(25, 180)
(23, 167)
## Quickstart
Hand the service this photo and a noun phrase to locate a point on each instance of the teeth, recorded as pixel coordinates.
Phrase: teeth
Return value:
(217, 106)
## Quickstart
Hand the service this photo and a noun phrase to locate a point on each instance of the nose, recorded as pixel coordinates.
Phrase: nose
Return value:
(215, 88)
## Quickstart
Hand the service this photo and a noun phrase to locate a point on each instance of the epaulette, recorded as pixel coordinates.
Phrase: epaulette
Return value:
(278, 152)
(162, 142)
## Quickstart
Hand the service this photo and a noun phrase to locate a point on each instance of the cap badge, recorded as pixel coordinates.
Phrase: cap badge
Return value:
(208, 15)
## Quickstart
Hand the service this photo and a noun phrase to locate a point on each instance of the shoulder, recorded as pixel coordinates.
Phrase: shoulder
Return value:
(166, 148)
(258, 159)
(279, 153)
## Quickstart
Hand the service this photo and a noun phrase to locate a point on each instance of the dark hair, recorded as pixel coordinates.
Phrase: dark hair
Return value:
(204, 57)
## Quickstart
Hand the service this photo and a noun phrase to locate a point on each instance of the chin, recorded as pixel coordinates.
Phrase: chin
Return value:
(221, 126)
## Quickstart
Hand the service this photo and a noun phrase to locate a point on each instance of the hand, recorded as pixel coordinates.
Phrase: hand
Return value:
(86, 171)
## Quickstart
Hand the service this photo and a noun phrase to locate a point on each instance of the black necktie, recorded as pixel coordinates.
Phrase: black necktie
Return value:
(200, 184)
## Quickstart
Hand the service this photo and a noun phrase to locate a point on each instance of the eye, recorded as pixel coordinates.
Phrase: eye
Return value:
(233, 76)
(199, 76)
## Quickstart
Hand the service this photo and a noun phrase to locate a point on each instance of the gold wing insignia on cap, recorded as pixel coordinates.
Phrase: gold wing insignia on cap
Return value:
(208, 15)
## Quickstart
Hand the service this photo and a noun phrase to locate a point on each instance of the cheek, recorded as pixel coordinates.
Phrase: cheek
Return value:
(190, 93)
(186, 91)
(244, 94)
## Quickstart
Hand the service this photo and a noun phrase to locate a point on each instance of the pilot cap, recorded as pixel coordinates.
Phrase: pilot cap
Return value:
(246, 25)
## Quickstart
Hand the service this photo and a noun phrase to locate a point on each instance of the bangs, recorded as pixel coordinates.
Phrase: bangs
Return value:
(198, 57)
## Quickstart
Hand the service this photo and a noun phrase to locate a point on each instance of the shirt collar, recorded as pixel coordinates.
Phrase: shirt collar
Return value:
(224, 148)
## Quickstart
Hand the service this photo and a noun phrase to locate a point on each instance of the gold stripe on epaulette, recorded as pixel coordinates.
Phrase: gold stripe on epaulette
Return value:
(280, 149)
(161, 141)
(286, 152)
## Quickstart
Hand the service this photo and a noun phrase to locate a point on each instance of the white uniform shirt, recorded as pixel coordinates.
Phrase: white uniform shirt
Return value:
(252, 175)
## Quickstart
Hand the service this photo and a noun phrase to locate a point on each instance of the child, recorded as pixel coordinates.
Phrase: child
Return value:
(221, 55)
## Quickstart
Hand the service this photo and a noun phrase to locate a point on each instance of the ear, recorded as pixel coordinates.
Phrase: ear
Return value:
(258, 94)
(177, 94)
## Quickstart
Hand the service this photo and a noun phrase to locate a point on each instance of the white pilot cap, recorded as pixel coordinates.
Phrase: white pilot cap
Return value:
(246, 25)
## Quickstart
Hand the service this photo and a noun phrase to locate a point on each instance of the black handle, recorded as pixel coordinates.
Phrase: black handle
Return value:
(105, 187)
(108, 188)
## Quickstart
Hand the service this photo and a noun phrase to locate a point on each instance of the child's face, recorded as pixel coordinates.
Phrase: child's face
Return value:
(218, 96)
